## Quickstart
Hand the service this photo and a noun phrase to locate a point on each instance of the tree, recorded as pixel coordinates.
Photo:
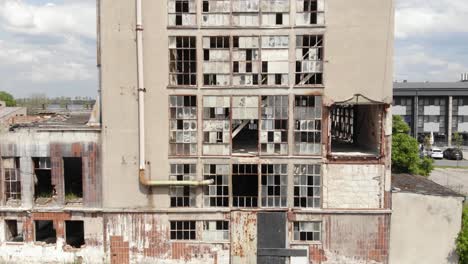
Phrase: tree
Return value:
(457, 140)
(462, 239)
(7, 98)
(405, 151)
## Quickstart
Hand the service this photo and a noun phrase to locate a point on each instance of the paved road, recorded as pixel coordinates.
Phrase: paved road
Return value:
(453, 178)
(451, 163)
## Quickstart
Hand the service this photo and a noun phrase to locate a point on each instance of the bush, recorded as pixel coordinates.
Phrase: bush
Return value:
(462, 239)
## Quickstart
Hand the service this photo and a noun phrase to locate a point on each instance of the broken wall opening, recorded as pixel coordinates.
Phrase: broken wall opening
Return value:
(74, 233)
(73, 176)
(43, 187)
(356, 129)
(245, 185)
(44, 231)
(14, 231)
(245, 125)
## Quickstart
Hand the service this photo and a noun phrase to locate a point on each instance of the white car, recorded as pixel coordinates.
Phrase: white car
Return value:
(436, 153)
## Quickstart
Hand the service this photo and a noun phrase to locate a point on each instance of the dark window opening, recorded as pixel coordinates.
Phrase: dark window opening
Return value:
(45, 231)
(43, 187)
(73, 175)
(279, 19)
(183, 230)
(74, 231)
(356, 130)
(14, 231)
(245, 136)
(206, 6)
(245, 185)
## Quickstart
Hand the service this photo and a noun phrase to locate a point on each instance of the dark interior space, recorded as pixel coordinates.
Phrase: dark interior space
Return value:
(13, 232)
(43, 187)
(245, 185)
(74, 231)
(73, 175)
(246, 140)
(45, 231)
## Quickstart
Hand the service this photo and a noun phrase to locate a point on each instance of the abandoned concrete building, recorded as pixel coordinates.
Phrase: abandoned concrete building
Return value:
(233, 131)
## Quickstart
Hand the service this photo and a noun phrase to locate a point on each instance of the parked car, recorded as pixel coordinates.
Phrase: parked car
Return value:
(436, 153)
(453, 154)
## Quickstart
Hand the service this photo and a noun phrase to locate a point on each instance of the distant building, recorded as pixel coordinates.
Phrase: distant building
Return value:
(426, 219)
(8, 114)
(437, 107)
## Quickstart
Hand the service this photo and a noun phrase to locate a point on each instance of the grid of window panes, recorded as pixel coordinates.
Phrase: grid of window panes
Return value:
(274, 185)
(216, 13)
(216, 125)
(182, 60)
(182, 196)
(182, 12)
(183, 230)
(307, 231)
(310, 12)
(307, 186)
(309, 59)
(183, 125)
(12, 178)
(275, 60)
(245, 60)
(307, 124)
(216, 230)
(216, 194)
(274, 125)
(216, 61)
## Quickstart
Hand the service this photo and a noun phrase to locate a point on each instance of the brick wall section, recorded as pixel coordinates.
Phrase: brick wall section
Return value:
(56, 159)
(119, 250)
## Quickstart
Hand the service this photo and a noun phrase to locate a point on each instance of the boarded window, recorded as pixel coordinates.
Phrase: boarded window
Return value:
(275, 12)
(245, 125)
(183, 60)
(307, 186)
(14, 231)
(309, 59)
(74, 231)
(307, 125)
(183, 125)
(245, 61)
(182, 13)
(216, 125)
(216, 12)
(245, 185)
(245, 13)
(310, 12)
(216, 61)
(274, 185)
(274, 125)
(182, 196)
(216, 230)
(45, 231)
(307, 231)
(183, 230)
(216, 194)
(275, 60)
(11, 169)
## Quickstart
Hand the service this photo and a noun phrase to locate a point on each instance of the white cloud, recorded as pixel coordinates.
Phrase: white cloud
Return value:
(425, 17)
(71, 17)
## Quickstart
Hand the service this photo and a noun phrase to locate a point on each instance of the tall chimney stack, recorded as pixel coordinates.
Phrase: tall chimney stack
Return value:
(464, 77)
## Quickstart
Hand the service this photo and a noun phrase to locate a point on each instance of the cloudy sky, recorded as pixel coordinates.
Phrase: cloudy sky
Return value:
(48, 46)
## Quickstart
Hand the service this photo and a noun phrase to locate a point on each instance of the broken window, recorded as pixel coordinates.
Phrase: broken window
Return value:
(307, 231)
(182, 196)
(245, 185)
(356, 129)
(14, 231)
(307, 186)
(307, 124)
(183, 125)
(245, 125)
(183, 60)
(275, 60)
(182, 13)
(74, 233)
(309, 59)
(183, 230)
(43, 188)
(73, 175)
(45, 231)
(274, 125)
(216, 61)
(310, 12)
(245, 13)
(216, 12)
(245, 61)
(275, 12)
(216, 125)
(216, 230)
(11, 170)
(216, 194)
(274, 185)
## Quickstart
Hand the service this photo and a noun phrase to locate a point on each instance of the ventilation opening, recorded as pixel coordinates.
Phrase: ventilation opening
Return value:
(356, 130)
(45, 231)
(43, 188)
(245, 185)
(73, 170)
(13, 231)
(74, 231)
